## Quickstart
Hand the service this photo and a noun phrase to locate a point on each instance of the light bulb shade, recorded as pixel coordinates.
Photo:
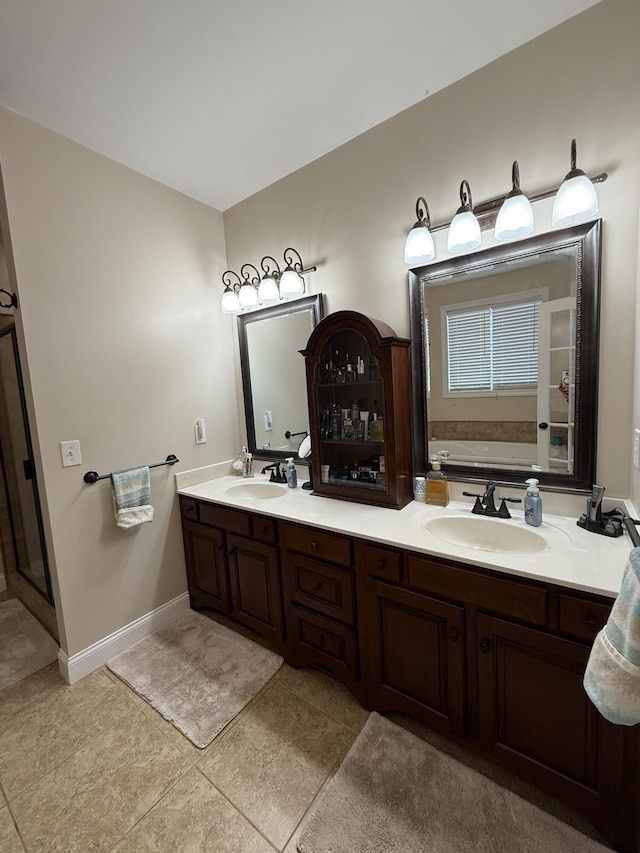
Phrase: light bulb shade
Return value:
(515, 218)
(291, 284)
(575, 202)
(268, 292)
(464, 233)
(419, 247)
(230, 303)
(248, 297)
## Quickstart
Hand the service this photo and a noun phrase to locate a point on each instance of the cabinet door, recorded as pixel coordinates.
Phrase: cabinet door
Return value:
(255, 586)
(206, 566)
(416, 656)
(535, 717)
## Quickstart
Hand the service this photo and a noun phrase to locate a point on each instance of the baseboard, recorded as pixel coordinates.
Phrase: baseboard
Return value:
(77, 666)
(3, 582)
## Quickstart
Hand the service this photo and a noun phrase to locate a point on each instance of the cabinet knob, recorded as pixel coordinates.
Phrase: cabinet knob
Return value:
(314, 546)
(485, 645)
(381, 564)
(318, 586)
(262, 529)
(455, 634)
(591, 622)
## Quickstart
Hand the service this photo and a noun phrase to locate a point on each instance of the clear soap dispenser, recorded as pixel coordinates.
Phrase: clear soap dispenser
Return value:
(437, 484)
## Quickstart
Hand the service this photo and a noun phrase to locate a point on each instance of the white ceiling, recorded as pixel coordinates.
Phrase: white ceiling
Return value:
(220, 98)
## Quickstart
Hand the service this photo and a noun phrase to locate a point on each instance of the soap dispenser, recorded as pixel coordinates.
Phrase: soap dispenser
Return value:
(437, 492)
(291, 473)
(533, 504)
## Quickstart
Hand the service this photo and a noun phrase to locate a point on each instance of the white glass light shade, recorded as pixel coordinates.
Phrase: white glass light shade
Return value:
(419, 248)
(515, 219)
(576, 202)
(464, 233)
(248, 297)
(230, 303)
(291, 284)
(268, 292)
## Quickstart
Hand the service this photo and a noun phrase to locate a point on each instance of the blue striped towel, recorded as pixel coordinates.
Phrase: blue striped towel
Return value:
(132, 496)
(612, 677)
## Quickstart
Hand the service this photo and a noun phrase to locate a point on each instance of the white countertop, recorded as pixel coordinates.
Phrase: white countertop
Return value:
(573, 557)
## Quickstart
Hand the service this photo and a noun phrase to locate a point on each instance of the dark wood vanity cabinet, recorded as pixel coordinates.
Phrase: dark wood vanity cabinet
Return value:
(233, 566)
(489, 658)
(358, 385)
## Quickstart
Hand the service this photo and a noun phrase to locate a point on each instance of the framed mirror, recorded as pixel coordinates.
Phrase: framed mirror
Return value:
(273, 375)
(505, 361)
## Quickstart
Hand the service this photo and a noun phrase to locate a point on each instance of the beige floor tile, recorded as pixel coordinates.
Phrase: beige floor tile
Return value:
(325, 693)
(193, 817)
(91, 800)
(9, 840)
(54, 726)
(273, 761)
(20, 694)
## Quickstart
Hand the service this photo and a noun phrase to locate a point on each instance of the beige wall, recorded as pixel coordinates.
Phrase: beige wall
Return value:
(119, 287)
(349, 211)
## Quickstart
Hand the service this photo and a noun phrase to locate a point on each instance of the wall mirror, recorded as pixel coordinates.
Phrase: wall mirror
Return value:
(505, 361)
(273, 375)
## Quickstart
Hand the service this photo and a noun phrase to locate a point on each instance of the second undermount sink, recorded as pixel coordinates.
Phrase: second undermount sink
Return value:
(257, 491)
(487, 534)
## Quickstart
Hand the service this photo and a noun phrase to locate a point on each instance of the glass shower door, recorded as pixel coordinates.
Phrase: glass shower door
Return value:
(20, 490)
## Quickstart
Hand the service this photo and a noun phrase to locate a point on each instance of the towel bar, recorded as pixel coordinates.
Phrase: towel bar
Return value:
(92, 477)
(631, 530)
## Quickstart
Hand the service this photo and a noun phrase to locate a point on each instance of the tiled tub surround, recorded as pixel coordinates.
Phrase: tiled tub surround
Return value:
(485, 647)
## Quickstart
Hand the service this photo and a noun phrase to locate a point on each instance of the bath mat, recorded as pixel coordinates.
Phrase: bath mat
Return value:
(197, 673)
(395, 793)
(25, 646)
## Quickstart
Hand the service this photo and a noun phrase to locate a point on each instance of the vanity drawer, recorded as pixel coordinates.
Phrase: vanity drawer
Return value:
(516, 600)
(326, 589)
(580, 617)
(383, 563)
(324, 546)
(188, 508)
(231, 520)
(323, 642)
(264, 529)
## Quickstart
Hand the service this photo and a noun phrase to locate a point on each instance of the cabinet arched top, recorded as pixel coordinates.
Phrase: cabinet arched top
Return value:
(377, 333)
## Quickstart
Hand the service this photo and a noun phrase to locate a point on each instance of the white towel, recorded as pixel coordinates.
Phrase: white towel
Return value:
(132, 496)
(612, 677)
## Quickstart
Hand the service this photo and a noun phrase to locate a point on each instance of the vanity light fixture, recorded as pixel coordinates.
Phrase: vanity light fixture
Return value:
(251, 290)
(230, 303)
(248, 296)
(291, 282)
(515, 219)
(464, 231)
(577, 199)
(419, 247)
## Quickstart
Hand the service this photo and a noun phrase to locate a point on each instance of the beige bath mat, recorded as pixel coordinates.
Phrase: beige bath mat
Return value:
(394, 793)
(25, 646)
(198, 674)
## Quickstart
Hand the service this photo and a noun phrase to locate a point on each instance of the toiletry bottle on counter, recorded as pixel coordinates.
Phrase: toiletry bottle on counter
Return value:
(533, 504)
(291, 473)
(437, 485)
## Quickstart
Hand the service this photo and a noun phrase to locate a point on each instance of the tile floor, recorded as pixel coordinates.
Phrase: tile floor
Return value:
(92, 767)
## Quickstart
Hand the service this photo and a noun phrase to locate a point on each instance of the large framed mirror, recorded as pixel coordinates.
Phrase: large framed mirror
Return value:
(273, 374)
(505, 361)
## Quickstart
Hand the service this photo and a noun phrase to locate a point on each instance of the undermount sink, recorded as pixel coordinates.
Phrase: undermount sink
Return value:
(257, 491)
(486, 534)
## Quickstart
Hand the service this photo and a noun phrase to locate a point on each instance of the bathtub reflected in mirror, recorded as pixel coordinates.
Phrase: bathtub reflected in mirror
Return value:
(505, 360)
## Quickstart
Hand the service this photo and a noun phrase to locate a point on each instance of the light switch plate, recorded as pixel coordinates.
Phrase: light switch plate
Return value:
(200, 430)
(70, 452)
(636, 448)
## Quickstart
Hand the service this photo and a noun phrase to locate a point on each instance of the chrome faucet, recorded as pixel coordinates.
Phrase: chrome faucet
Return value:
(485, 504)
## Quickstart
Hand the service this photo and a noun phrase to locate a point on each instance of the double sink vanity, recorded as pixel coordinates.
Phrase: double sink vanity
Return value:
(480, 628)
